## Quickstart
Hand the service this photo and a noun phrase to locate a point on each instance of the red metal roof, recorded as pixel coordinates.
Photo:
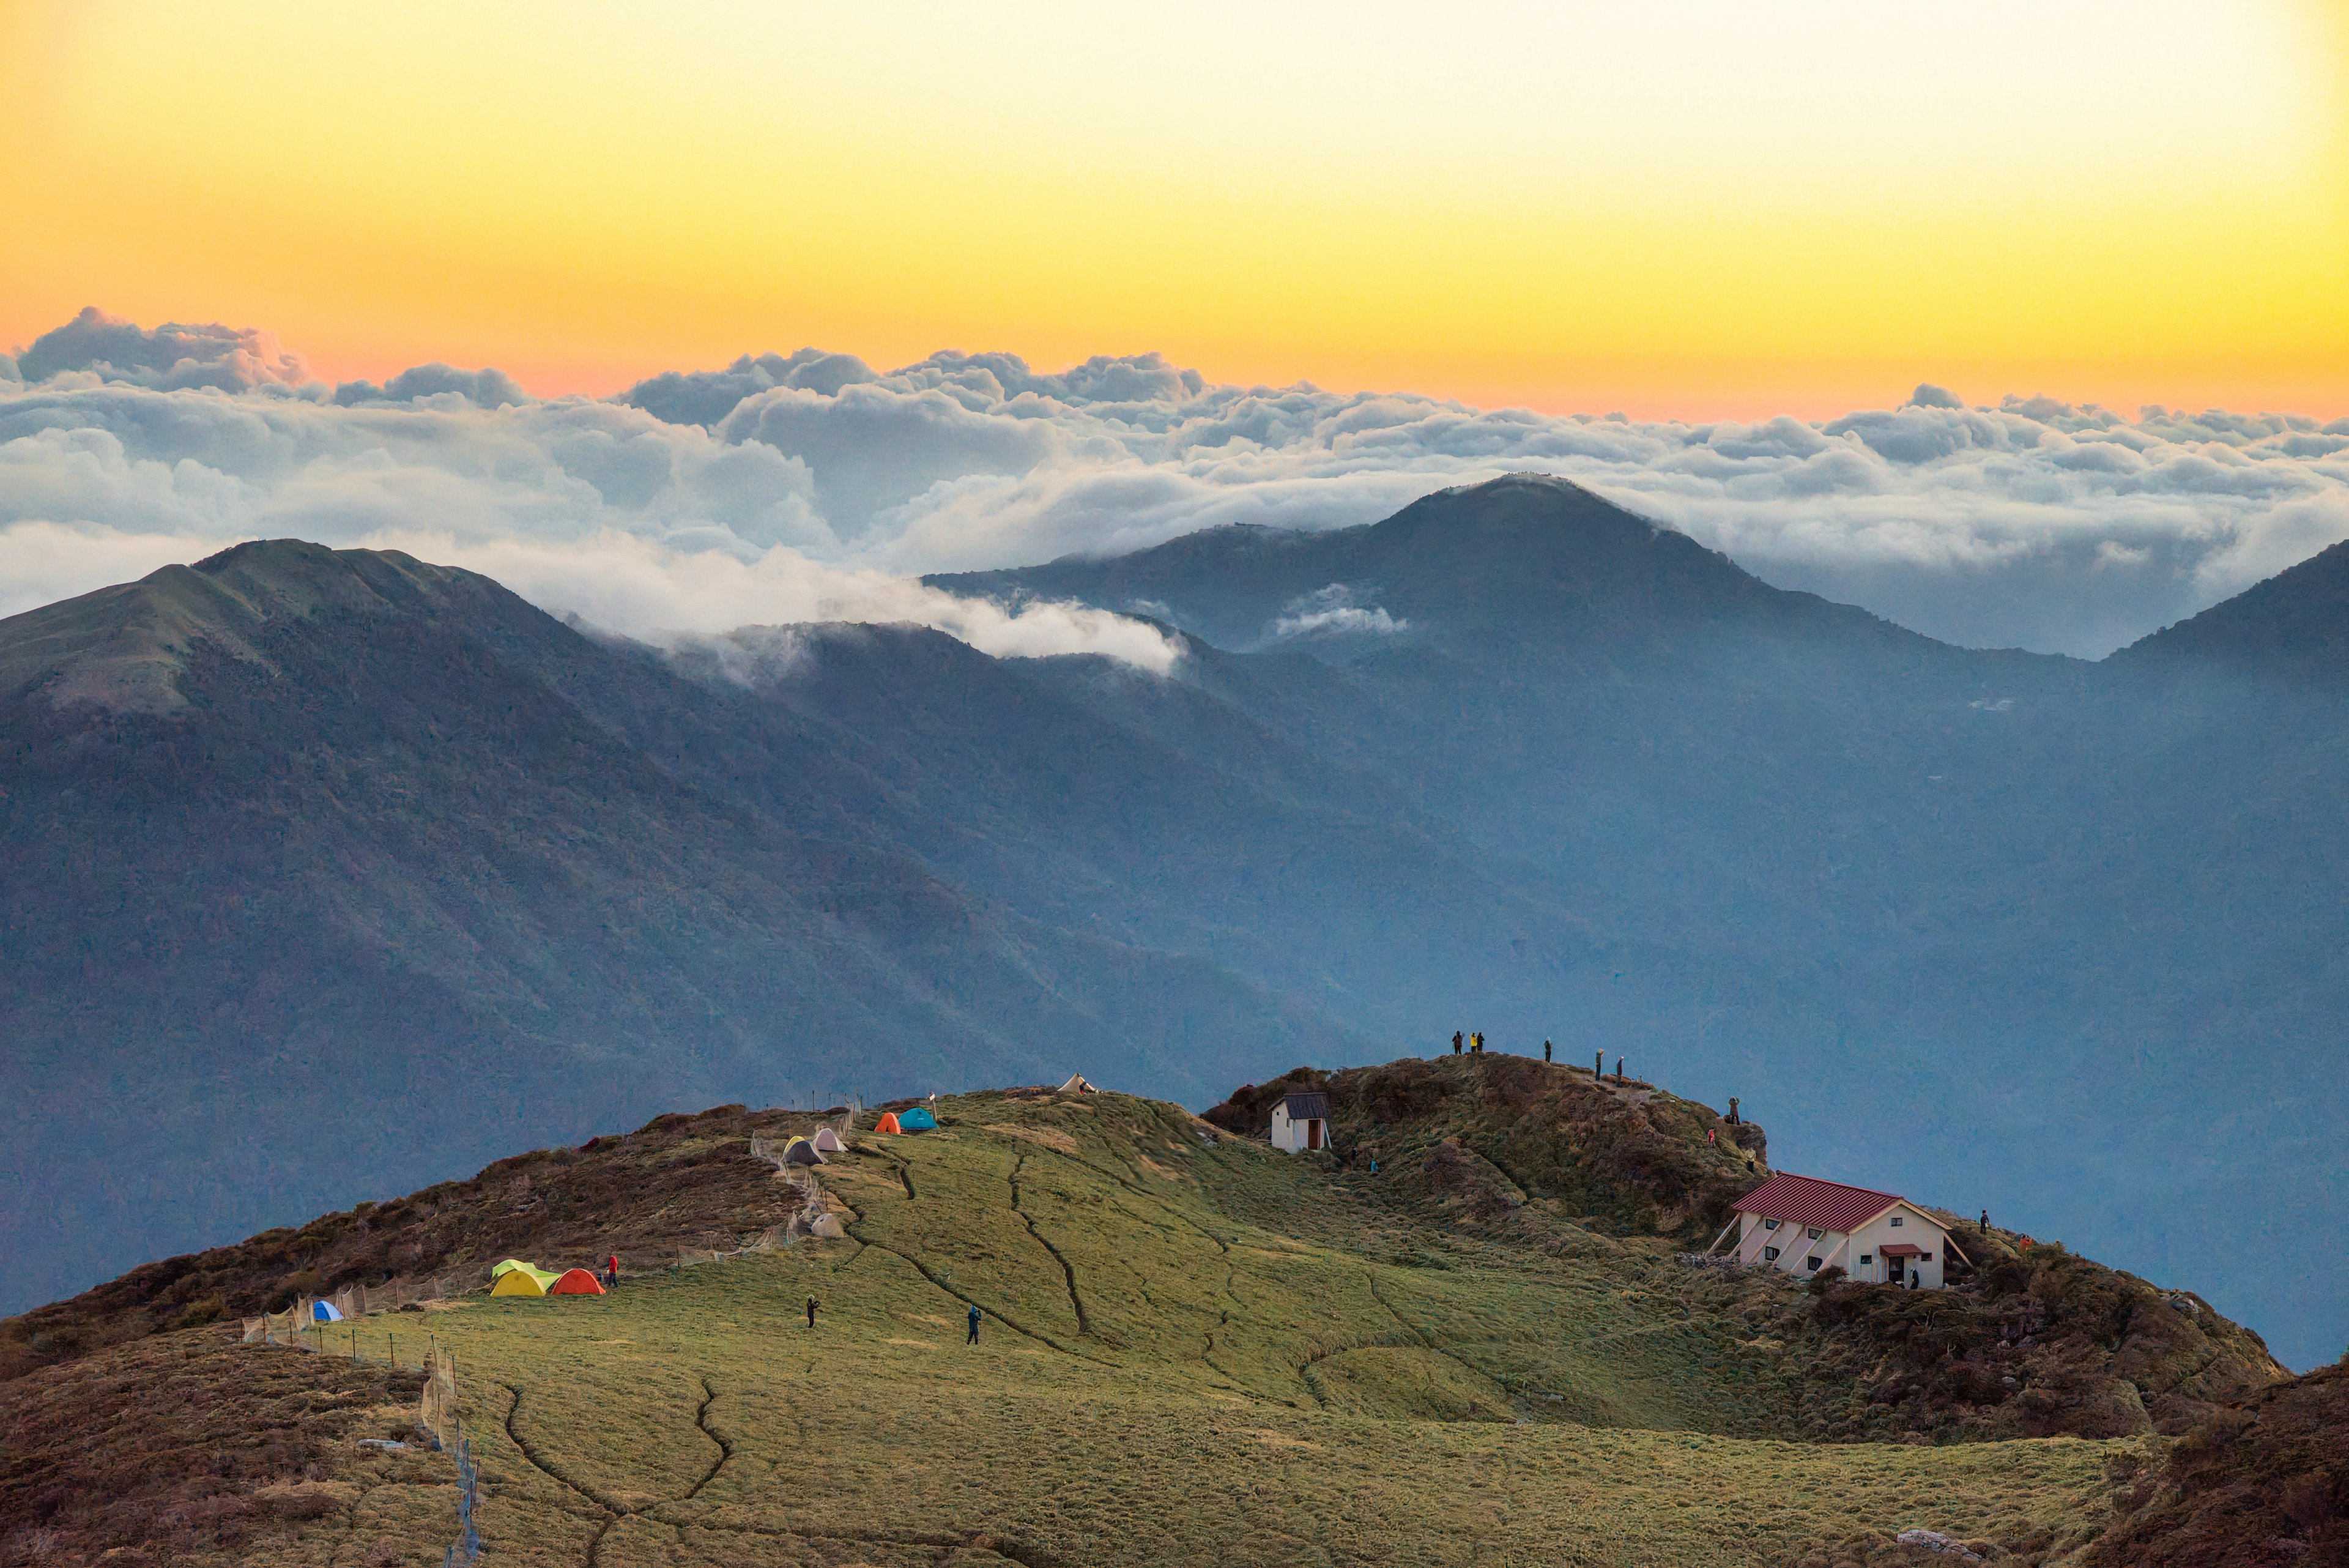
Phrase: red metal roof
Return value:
(1807, 1201)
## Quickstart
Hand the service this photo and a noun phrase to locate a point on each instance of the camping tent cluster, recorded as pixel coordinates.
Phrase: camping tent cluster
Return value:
(917, 1119)
(811, 1150)
(515, 1278)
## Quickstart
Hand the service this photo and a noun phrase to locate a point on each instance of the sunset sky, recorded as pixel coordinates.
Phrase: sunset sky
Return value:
(1674, 209)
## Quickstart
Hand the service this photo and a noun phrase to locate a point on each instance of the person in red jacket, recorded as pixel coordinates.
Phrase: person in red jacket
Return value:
(611, 1271)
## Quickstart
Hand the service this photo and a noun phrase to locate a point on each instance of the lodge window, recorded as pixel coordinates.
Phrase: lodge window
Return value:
(1924, 1257)
(1867, 1260)
(1896, 1219)
(1771, 1253)
(1769, 1224)
(1814, 1264)
(1813, 1233)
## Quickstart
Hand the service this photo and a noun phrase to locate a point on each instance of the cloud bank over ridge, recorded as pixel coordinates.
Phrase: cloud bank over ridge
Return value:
(810, 485)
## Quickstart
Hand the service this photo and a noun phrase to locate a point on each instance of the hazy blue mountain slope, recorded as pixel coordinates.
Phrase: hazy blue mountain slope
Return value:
(1088, 794)
(2050, 931)
(2063, 935)
(366, 899)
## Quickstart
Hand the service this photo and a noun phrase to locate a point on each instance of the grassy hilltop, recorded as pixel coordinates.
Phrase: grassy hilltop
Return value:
(1195, 1350)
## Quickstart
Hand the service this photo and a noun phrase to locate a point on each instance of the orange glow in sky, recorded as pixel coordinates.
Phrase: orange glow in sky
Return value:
(1681, 208)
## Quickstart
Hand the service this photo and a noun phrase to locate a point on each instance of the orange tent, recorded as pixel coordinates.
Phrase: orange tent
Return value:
(577, 1282)
(888, 1123)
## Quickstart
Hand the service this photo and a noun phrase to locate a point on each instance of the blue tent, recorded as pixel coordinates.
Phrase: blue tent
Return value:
(323, 1311)
(919, 1119)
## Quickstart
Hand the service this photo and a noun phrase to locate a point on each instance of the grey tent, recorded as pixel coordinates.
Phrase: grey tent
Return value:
(799, 1151)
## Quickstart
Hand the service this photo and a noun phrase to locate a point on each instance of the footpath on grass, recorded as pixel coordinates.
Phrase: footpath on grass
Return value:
(1190, 1349)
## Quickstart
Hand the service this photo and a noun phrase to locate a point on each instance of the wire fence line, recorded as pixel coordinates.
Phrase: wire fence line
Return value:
(814, 1216)
(303, 1327)
(437, 1412)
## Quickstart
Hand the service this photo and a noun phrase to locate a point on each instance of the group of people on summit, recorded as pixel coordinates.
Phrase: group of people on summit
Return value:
(1475, 1047)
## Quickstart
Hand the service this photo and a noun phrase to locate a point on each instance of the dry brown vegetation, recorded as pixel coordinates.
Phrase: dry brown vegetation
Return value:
(1627, 1158)
(680, 1181)
(190, 1446)
(2258, 1484)
(2045, 1343)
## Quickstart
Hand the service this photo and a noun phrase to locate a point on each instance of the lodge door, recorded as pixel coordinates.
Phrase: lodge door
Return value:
(1313, 1134)
(1892, 1267)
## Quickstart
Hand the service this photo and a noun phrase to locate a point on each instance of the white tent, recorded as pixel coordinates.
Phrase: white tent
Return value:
(827, 1141)
(1077, 1085)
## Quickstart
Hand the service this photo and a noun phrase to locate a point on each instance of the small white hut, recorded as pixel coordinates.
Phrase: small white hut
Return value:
(1802, 1225)
(1301, 1122)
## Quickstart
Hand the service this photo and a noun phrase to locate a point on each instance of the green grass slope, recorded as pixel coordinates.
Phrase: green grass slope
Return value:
(1195, 1350)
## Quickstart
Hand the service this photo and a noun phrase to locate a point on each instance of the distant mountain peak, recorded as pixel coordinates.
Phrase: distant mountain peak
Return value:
(123, 649)
(2295, 623)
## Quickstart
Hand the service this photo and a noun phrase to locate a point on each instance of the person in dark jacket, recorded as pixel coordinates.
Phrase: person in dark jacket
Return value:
(811, 1312)
(975, 1315)
(1545, 1050)
(1455, 1042)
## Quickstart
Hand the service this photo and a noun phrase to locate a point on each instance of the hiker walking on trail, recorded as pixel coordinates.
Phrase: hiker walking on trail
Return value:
(975, 1315)
(811, 1312)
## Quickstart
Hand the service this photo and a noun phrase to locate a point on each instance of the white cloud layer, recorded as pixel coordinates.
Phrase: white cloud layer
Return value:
(811, 486)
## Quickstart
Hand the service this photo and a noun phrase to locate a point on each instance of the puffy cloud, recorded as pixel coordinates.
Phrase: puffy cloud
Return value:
(483, 388)
(2034, 522)
(172, 356)
(1332, 612)
(687, 597)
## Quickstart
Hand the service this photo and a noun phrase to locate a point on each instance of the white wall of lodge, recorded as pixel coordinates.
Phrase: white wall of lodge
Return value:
(1804, 1250)
(1297, 1136)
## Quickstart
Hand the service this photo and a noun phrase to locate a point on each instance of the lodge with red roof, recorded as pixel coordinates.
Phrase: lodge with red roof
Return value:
(1802, 1225)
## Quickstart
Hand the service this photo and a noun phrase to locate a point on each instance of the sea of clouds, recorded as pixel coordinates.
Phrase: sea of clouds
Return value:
(811, 486)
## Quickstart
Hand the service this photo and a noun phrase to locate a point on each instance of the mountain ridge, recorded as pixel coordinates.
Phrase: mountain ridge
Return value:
(1986, 913)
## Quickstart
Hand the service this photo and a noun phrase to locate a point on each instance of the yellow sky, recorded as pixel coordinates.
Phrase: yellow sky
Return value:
(1667, 208)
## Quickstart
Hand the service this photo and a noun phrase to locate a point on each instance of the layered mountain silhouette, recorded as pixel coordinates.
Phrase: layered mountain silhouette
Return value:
(332, 873)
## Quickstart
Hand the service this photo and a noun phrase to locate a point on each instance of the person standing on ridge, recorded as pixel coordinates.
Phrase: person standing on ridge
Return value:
(975, 1315)
(1476, 1043)
(1619, 1069)
(1545, 1050)
(811, 1312)
(1455, 1042)
(1599, 1066)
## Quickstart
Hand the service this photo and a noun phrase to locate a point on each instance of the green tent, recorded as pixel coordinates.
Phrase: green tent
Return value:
(538, 1277)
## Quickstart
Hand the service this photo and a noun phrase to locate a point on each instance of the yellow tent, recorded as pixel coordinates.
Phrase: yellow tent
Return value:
(516, 1278)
